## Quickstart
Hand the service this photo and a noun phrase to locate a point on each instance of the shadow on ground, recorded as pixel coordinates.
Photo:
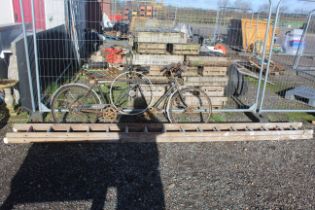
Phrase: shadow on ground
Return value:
(4, 115)
(126, 173)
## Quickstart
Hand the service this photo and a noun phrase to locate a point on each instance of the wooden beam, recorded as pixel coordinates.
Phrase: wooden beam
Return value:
(181, 137)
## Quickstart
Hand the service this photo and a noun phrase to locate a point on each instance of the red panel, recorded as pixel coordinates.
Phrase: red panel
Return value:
(39, 13)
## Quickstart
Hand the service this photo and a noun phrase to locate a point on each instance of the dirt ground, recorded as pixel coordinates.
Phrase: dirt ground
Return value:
(261, 175)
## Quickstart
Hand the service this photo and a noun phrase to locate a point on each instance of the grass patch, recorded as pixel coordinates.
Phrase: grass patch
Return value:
(21, 117)
(291, 117)
(303, 117)
(217, 118)
(51, 89)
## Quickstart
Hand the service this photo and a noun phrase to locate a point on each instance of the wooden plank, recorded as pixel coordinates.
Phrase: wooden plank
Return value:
(200, 84)
(170, 127)
(186, 49)
(194, 80)
(213, 91)
(111, 135)
(182, 137)
(208, 61)
(215, 101)
(209, 80)
(151, 48)
(214, 71)
(161, 37)
(157, 60)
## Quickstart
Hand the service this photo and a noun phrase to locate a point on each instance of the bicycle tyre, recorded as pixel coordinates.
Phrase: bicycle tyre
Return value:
(73, 93)
(126, 99)
(183, 106)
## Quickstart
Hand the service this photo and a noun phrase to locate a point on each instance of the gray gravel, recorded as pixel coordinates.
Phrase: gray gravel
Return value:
(264, 175)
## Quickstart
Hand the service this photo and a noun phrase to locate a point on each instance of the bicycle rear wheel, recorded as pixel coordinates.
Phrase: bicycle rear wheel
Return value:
(68, 101)
(131, 93)
(189, 105)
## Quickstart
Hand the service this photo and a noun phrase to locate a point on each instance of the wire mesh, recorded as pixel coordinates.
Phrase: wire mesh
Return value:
(72, 35)
(293, 88)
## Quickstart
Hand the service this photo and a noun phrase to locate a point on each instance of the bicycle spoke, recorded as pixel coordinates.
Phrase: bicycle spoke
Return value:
(189, 105)
(70, 100)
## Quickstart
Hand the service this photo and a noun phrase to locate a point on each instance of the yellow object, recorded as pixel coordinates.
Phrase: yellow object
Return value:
(253, 31)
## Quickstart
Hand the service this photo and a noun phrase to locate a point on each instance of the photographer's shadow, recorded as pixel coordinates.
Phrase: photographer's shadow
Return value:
(127, 174)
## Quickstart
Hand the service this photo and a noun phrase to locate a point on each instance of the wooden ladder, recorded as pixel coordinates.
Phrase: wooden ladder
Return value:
(138, 133)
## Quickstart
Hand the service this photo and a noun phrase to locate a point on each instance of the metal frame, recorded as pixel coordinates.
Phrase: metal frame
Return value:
(27, 56)
(257, 106)
(36, 57)
(262, 98)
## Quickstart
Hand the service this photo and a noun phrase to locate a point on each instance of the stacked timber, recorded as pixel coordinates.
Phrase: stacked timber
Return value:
(162, 48)
(274, 70)
(158, 49)
(212, 77)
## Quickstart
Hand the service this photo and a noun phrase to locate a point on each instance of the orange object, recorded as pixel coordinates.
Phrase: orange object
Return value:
(254, 31)
(222, 48)
(114, 55)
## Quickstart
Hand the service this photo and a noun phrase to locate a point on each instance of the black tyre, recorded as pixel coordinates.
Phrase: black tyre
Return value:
(189, 105)
(67, 102)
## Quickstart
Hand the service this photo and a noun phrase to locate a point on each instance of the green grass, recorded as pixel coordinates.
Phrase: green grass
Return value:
(217, 118)
(51, 89)
(272, 87)
(303, 117)
(291, 117)
(21, 117)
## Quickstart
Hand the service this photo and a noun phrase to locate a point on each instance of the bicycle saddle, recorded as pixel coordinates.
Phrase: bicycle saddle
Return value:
(173, 69)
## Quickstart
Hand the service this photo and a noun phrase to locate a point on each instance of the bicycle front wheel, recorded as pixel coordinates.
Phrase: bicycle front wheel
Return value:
(71, 104)
(189, 105)
(131, 93)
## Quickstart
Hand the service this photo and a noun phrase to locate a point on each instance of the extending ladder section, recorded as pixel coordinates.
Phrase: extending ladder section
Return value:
(121, 133)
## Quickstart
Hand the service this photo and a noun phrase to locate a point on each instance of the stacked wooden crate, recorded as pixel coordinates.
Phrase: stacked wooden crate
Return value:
(158, 49)
(162, 48)
(213, 77)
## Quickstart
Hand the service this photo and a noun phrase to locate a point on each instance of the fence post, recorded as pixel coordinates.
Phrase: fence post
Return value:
(36, 57)
(263, 55)
(270, 56)
(29, 74)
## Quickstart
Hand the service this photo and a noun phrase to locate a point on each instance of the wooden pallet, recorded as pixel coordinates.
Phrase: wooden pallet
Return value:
(275, 69)
(213, 71)
(215, 101)
(194, 71)
(137, 133)
(161, 37)
(213, 91)
(194, 81)
(186, 49)
(208, 61)
(156, 60)
(151, 48)
(204, 80)
(160, 90)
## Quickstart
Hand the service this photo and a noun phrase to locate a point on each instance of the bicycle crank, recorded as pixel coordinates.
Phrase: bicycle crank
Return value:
(109, 113)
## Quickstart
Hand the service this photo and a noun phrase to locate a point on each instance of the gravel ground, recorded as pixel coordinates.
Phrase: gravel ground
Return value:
(264, 175)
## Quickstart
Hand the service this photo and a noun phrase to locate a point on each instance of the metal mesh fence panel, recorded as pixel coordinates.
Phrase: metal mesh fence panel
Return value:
(76, 35)
(293, 88)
